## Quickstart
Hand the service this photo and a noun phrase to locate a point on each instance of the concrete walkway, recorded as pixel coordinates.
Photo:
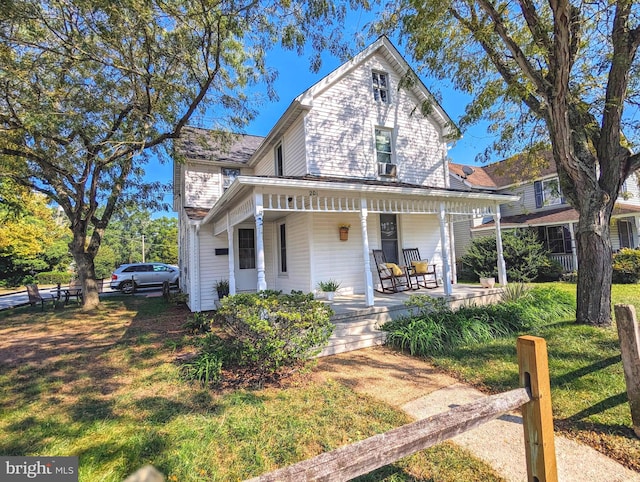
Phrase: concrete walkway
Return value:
(421, 391)
(500, 443)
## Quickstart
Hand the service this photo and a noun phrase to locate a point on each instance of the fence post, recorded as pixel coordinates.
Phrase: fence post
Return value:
(537, 417)
(629, 336)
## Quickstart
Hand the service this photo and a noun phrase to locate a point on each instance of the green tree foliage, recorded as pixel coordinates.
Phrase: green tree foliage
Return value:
(89, 90)
(32, 239)
(546, 73)
(524, 255)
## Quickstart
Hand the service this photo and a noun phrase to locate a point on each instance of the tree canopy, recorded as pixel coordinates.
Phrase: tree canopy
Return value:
(90, 89)
(556, 75)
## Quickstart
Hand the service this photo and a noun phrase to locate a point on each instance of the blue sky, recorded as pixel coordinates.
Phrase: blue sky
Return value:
(295, 77)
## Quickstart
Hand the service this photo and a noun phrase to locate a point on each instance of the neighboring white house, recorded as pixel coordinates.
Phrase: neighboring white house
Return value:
(540, 206)
(357, 148)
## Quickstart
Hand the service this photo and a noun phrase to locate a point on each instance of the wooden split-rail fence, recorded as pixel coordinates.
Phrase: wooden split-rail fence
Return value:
(346, 463)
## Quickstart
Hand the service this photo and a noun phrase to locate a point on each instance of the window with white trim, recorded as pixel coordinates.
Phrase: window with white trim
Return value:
(384, 151)
(282, 241)
(380, 87)
(228, 176)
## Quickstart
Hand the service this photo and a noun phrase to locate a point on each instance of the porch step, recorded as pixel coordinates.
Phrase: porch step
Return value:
(346, 343)
(360, 329)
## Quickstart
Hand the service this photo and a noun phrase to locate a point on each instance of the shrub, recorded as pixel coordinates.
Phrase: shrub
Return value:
(273, 330)
(437, 328)
(626, 266)
(523, 252)
(54, 277)
(550, 270)
(198, 323)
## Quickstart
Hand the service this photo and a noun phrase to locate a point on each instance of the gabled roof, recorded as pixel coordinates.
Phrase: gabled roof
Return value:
(508, 172)
(304, 101)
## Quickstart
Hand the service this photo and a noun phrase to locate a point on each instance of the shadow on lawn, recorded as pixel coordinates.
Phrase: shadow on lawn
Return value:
(98, 385)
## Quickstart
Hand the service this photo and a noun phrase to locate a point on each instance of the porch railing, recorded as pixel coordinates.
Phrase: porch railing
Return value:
(566, 260)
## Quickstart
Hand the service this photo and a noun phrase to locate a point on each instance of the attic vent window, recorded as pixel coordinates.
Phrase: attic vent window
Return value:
(380, 87)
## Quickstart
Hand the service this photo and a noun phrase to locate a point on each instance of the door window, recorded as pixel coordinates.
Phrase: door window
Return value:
(246, 249)
(389, 237)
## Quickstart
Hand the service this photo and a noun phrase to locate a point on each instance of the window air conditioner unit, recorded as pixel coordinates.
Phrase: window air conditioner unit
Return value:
(386, 169)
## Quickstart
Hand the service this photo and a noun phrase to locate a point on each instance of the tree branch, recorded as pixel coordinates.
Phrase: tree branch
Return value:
(520, 58)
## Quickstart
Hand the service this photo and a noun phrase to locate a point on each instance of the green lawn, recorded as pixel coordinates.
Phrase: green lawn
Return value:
(587, 380)
(106, 387)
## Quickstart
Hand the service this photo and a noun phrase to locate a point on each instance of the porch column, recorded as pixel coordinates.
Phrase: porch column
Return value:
(574, 251)
(452, 243)
(258, 215)
(444, 242)
(636, 220)
(368, 279)
(502, 269)
(232, 256)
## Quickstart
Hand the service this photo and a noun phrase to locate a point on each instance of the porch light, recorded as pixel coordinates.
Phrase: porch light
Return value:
(344, 231)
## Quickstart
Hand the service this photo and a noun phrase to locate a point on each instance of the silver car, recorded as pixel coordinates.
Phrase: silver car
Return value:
(128, 277)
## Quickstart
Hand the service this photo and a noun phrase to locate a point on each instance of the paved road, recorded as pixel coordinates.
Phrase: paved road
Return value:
(20, 298)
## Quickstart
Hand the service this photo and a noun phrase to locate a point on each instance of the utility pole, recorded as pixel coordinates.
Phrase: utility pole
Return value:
(143, 248)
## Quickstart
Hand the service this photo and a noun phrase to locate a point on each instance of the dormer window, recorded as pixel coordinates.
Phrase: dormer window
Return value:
(380, 87)
(228, 176)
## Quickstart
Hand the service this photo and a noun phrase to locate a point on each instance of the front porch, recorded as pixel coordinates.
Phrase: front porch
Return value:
(357, 324)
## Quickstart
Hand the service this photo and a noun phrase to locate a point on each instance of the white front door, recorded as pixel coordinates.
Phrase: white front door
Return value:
(245, 262)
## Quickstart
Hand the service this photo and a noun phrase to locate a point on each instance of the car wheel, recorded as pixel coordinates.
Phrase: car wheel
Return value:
(127, 287)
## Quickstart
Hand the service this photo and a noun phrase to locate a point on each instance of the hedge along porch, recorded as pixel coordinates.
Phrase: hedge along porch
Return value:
(284, 233)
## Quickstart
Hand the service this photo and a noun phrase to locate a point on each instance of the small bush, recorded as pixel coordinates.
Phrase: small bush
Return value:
(272, 330)
(54, 277)
(437, 328)
(523, 252)
(550, 270)
(626, 266)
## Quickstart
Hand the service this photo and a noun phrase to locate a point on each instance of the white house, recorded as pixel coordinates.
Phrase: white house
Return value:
(540, 206)
(357, 148)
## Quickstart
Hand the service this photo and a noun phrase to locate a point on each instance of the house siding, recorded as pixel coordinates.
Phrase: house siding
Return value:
(340, 130)
(212, 267)
(298, 275)
(334, 259)
(293, 149)
(202, 185)
(422, 231)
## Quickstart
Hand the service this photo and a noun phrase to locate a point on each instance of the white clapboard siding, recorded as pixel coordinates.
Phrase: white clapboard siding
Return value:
(212, 267)
(201, 185)
(340, 130)
(334, 259)
(293, 151)
(298, 269)
(422, 231)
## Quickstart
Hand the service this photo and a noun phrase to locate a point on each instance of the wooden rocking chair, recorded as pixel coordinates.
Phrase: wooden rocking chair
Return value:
(420, 269)
(393, 278)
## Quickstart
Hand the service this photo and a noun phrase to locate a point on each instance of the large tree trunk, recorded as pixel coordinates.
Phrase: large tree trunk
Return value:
(86, 271)
(595, 266)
